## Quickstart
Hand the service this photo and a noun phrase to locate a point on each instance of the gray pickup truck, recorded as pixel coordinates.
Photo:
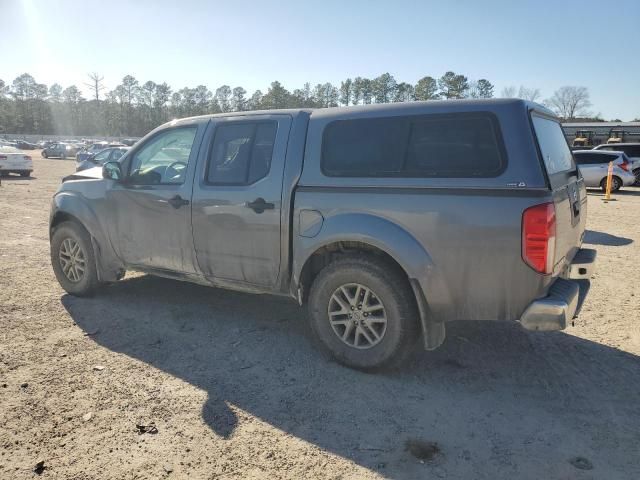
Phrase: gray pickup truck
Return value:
(386, 220)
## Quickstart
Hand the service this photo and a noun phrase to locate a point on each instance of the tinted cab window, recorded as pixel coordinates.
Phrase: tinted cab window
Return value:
(241, 153)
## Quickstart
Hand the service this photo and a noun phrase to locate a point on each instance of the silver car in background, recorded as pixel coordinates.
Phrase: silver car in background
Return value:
(632, 150)
(594, 165)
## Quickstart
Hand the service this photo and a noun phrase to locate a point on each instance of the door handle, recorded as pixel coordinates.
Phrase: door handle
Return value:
(177, 201)
(259, 205)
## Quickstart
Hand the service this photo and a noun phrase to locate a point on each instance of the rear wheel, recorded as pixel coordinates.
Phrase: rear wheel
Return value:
(25, 173)
(363, 312)
(616, 184)
(73, 259)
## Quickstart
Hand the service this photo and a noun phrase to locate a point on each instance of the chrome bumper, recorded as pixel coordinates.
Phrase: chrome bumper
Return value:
(565, 297)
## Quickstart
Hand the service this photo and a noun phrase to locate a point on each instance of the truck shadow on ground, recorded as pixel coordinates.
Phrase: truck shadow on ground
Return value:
(495, 398)
(593, 237)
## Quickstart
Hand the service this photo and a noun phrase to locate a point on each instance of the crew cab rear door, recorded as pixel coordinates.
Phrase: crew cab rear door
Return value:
(567, 185)
(237, 199)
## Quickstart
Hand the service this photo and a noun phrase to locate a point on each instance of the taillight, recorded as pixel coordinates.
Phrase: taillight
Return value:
(624, 165)
(539, 237)
(3, 157)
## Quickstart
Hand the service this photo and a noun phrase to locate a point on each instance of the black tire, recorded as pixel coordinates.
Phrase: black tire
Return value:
(616, 184)
(389, 287)
(636, 172)
(44, 154)
(87, 282)
(25, 173)
(63, 156)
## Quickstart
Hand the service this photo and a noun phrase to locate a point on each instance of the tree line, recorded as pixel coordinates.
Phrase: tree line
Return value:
(133, 108)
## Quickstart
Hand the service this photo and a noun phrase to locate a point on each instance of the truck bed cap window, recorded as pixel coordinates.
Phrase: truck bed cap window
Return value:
(553, 145)
(446, 146)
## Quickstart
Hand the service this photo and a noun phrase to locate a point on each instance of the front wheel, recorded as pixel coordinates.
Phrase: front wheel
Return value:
(363, 312)
(45, 155)
(73, 259)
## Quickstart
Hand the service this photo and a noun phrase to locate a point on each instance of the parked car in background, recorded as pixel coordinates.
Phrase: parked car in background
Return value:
(24, 145)
(94, 148)
(59, 150)
(112, 154)
(13, 160)
(387, 220)
(632, 150)
(594, 165)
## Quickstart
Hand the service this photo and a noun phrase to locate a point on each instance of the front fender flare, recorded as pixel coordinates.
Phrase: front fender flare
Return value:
(70, 204)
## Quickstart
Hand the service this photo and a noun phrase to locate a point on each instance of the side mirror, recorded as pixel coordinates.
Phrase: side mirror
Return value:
(112, 171)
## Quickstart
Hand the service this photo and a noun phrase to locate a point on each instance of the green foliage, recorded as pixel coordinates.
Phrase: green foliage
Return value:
(485, 88)
(133, 108)
(384, 88)
(453, 86)
(427, 89)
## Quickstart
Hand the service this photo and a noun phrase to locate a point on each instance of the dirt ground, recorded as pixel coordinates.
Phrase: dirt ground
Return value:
(236, 388)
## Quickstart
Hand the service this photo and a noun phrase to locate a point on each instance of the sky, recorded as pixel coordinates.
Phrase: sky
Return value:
(543, 44)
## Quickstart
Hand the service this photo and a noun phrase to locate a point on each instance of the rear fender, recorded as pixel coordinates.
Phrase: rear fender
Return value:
(425, 279)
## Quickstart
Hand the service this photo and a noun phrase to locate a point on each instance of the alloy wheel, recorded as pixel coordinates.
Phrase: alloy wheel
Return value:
(357, 316)
(72, 259)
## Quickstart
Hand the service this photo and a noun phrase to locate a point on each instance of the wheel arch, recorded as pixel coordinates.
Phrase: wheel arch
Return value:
(379, 237)
(70, 207)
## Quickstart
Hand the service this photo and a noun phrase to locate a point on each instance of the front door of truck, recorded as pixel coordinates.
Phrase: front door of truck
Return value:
(150, 222)
(237, 199)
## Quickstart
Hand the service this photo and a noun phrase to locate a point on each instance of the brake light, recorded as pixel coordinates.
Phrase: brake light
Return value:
(3, 157)
(539, 237)
(624, 165)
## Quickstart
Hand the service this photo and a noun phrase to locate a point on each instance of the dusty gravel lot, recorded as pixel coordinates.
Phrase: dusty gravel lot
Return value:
(237, 389)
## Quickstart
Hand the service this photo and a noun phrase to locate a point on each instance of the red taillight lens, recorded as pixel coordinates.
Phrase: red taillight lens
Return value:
(539, 237)
(625, 166)
(3, 157)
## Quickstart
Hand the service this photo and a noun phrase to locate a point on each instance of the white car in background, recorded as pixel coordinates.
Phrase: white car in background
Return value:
(13, 160)
(594, 165)
(631, 149)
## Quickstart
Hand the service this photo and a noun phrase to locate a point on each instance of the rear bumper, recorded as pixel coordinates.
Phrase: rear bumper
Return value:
(564, 298)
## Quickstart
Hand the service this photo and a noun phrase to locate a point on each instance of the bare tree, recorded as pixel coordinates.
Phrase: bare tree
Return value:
(96, 84)
(531, 94)
(570, 102)
(508, 92)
